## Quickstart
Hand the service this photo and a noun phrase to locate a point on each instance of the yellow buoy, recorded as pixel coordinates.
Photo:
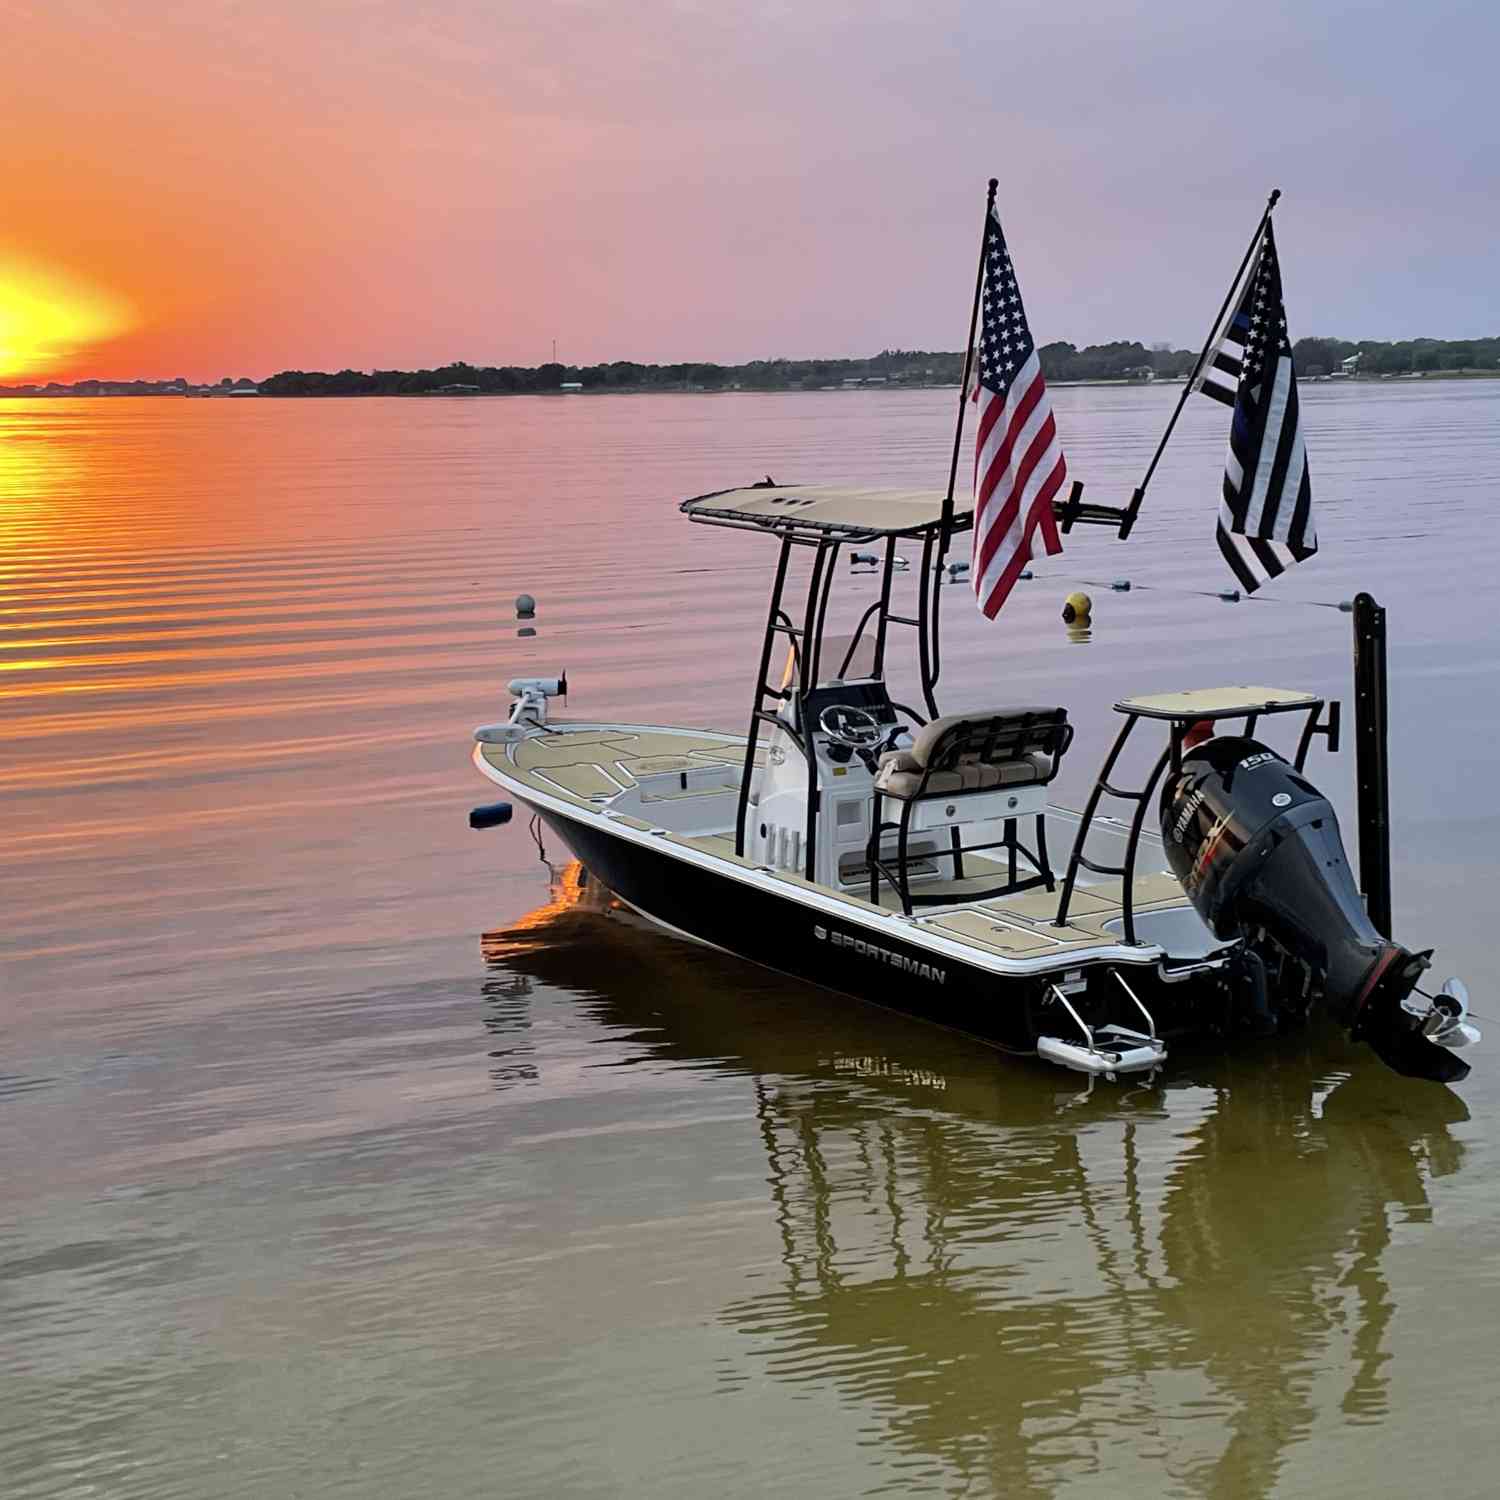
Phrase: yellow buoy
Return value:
(1077, 607)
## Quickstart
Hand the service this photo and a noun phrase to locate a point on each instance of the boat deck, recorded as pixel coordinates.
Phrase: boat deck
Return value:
(677, 784)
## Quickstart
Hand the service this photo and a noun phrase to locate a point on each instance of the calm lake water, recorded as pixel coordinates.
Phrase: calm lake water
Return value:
(344, 1151)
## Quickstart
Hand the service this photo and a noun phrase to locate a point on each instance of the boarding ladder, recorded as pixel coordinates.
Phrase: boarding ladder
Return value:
(1109, 1049)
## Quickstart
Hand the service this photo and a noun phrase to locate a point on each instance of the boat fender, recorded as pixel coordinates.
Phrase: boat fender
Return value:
(490, 815)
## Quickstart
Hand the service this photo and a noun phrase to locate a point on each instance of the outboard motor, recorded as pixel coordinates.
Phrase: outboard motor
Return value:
(1257, 848)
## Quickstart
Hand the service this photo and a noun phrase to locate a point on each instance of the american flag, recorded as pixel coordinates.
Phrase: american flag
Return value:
(1018, 462)
(1265, 517)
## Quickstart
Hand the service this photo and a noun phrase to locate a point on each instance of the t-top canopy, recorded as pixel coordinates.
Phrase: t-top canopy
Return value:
(1218, 703)
(834, 509)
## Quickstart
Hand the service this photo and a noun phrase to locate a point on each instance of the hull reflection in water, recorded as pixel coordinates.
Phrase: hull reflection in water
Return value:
(1026, 1284)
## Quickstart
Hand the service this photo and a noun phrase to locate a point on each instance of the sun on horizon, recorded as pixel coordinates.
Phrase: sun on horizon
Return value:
(50, 319)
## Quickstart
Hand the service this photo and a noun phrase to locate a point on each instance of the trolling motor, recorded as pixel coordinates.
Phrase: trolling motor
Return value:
(1257, 848)
(529, 710)
(527, 713)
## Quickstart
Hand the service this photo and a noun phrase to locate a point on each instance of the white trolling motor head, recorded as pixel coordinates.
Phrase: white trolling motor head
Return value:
(538, 689)
(528, 712)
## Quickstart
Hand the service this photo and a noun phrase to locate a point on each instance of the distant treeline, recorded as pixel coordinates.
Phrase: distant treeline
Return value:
(1419, 356)
(181, 386)
(892, 367)
(897, 367)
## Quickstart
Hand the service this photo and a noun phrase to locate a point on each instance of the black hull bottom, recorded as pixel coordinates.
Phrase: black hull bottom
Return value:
(779, 933)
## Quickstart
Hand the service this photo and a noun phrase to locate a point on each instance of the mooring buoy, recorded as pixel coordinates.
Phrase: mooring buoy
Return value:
(1077, 606)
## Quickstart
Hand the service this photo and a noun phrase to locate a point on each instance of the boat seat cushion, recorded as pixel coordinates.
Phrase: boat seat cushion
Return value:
(976, 752)
(930, 736)
(903, 782)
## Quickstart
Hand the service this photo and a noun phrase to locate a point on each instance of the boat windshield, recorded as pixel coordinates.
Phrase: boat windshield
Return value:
(848, 658)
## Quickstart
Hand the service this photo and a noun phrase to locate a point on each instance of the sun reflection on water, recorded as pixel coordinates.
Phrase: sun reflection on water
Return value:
(38, 473)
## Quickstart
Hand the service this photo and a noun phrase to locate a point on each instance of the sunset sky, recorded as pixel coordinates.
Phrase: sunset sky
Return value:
(209, 187)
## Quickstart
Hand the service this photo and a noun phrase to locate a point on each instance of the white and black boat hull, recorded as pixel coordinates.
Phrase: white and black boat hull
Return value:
(785, 933)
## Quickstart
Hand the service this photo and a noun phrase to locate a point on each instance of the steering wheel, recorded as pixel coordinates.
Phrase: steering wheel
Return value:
(851, 726)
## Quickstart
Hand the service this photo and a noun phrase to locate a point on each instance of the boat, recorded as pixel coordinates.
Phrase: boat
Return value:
(915, 860)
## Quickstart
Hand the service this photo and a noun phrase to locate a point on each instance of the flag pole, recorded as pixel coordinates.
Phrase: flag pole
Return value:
(1139, 493)
(963, 385)
(929, 641)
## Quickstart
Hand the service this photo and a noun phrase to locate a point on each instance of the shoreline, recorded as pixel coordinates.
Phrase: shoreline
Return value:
(658, 390)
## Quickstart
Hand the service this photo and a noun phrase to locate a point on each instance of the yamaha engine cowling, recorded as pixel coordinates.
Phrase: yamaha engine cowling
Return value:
(1257, 848)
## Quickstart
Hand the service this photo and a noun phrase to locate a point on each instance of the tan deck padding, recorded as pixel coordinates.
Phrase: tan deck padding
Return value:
(1081, 928)
(1158, 886)
(716, 844)
(686, 794)
(650, 765)
(824, 890)
(972, 885)
(1041, 906)
(630, 822)
(593, 745)
(569, 750)
(1220, 700)
(721, 844)
(978, 927)
(982, 870)
(730, 756)
(648, 742)
(644, 753)
(558, 735)
(581, 781)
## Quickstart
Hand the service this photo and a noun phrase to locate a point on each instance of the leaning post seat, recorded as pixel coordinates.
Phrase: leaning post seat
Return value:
(969, 762)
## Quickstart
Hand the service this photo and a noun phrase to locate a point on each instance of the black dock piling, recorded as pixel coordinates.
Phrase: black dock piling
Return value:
(1372, 765)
